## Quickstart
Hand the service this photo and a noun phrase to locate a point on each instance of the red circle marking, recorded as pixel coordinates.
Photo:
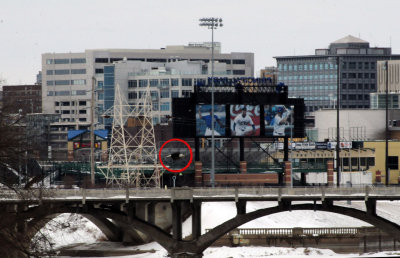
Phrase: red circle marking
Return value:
(190, 150)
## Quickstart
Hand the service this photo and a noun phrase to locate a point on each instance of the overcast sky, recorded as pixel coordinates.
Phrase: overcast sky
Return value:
(266, 28)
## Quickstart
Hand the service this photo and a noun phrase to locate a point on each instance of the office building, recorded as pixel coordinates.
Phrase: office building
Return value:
(67, 78)
(24, 99)
(315, 77)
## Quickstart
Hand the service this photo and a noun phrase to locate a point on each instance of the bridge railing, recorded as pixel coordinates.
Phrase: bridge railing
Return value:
(192, 193)
(291, 232)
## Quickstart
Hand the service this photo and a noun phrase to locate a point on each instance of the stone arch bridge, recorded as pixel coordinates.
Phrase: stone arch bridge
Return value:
(137, 215)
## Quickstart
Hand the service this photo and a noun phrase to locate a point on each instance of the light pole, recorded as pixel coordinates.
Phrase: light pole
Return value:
(212, 23)
(337, 123)
(387, 171)
(337, 118)
(92, 178)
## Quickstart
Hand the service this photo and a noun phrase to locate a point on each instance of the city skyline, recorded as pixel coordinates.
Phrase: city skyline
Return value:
(265, 28)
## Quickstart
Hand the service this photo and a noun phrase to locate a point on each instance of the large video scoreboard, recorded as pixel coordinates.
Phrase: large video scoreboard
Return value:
(239, 111)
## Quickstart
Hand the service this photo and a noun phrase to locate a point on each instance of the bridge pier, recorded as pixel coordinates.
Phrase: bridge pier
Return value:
(371, 206)
(196, 219)
(176, 220)
(240, 207)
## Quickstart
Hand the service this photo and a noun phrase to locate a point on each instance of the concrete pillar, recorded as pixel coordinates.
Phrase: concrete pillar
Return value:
(196, 220)
(371, 206)
(329, 166)
(176, 207)
(288, 173)
(241, 207)
(243, 167)
(151, 213)
(198, 173)
(378, 176)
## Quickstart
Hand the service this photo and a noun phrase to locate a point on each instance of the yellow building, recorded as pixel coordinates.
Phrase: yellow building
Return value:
(394, 152)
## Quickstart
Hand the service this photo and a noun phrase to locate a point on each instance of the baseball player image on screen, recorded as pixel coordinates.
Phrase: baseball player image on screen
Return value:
(208, 119)
(243, 125)
(280, 121)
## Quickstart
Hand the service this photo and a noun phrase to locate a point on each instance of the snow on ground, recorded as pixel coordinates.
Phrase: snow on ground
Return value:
(214, 213)
(67, 229)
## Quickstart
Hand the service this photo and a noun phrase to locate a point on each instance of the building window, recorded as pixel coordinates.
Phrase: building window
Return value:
(238, 72)
(61, 72)
(372, 76)
(78, 71)
(132, 95)
(360, 75)
(164, 82)
(372, 86)
(82, 119)
(49, 83)
(82, 111)
(164, 94)
(61, 61)
(352, 75)
(78, 82)
(49, 61)
(344, 75)
(50, 72)
(154, 94)
(186, 93)
(143, 83)
(352, 86)
(82, 103)
(65, 112)
(174, 82)
(366, 97)
(344, 86)
(101, 60)
(132, 84)
(61, 82)
(99, 70)
(393, 162)
(100, 84)
(164, 106)
(352, 65)
(155, 106)
(112, 60)
(366, 86)
(344, 97)
(153, 83)
(360, 97)
(352, 97)
(78, 60)
(366, 65)
(186, 82)
(238, 61)
(175, 93)
(360, 86)
(360, 66)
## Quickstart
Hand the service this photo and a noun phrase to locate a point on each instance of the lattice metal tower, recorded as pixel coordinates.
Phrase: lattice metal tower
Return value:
(132, 156)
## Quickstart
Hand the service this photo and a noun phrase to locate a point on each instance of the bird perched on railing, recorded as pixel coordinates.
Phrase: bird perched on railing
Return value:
(175, 156)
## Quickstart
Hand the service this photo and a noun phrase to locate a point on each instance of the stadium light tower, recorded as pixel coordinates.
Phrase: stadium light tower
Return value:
(212, 23)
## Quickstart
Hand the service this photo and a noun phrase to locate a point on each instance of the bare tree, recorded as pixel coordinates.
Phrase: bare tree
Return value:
(15, 241)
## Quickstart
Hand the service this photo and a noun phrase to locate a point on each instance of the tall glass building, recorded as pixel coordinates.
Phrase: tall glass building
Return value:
(315, 77)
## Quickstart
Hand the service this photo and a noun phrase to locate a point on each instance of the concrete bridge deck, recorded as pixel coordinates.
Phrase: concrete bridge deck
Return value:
(130, 213)
(204, 194)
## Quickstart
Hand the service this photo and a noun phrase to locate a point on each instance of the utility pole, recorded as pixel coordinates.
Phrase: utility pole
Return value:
(387, 174)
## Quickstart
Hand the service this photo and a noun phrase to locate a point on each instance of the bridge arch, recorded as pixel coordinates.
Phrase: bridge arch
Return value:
(385, 225)
(108, 228)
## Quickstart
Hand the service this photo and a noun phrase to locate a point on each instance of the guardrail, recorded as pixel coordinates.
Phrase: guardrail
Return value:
(187, 193)
(292, 232)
